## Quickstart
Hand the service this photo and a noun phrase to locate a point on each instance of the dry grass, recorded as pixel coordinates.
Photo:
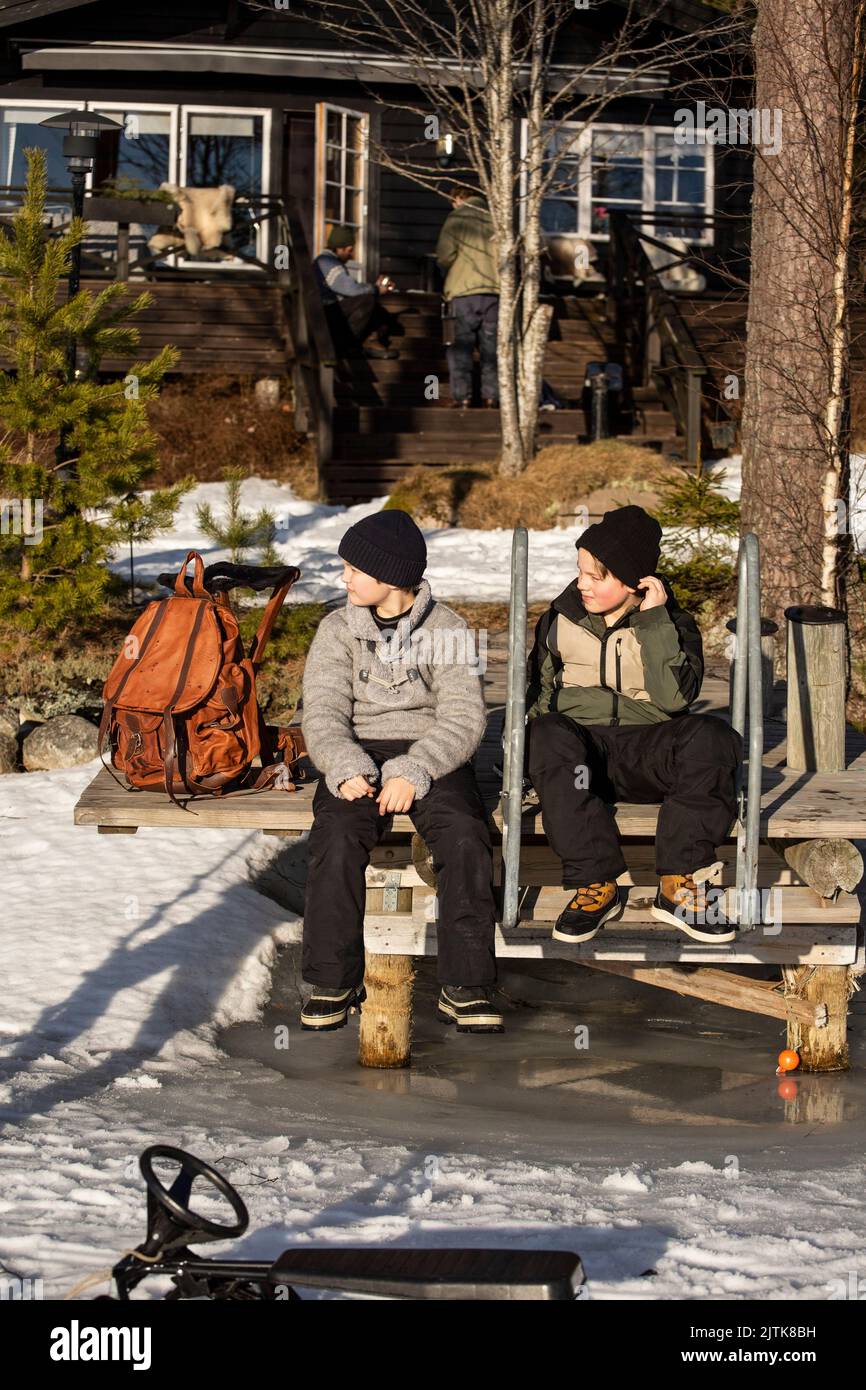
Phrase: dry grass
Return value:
(210, 423)
(560, 479)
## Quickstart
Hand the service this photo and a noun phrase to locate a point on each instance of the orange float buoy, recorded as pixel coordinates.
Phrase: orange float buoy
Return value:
(789, 1060)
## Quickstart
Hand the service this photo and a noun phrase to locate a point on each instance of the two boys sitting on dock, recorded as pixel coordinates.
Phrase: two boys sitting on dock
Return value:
(392, 727)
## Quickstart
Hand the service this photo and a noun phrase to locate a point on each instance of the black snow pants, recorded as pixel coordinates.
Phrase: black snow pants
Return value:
(687, 763)
(453, 822)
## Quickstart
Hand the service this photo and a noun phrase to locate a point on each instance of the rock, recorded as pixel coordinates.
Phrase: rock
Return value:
(61, 742)
(9, 721)
(8, 754)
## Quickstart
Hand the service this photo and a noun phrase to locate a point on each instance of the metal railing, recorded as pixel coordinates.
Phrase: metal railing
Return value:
(256, 222)
(515, 728)
(748, 677)
(315, 356)
(654, 338)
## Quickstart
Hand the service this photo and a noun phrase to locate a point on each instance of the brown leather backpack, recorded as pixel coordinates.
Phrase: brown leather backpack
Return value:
(180, 711)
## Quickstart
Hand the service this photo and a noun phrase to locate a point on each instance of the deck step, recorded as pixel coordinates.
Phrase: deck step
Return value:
(779, 906)
(823, 805)
(635, 940)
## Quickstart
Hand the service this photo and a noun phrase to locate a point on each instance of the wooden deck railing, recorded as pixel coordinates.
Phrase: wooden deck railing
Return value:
(315, 358)
(653, 337)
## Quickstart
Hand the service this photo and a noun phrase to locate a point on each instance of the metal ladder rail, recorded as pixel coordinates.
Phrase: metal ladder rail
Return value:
(515, 728)
(747, 671)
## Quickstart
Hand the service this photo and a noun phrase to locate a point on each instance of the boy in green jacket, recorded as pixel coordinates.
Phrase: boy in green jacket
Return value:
(615, 665)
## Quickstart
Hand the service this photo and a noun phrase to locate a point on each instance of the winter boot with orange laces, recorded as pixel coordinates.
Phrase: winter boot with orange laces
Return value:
(588, 911)
(695, 908)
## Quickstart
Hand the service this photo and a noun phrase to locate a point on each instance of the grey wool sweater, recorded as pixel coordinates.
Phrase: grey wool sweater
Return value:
(420, 683)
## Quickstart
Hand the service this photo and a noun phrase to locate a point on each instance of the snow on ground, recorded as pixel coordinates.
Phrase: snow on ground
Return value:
(104, 935)
(308, 534)
(122, 955)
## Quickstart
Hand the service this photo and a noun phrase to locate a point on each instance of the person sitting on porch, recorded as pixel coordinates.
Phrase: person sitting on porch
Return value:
(465, 250)
(393, 712)
(615, 665)
(354, 311)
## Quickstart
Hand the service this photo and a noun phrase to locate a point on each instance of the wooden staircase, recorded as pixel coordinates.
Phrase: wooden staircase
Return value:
(386, 423)
(391, 416)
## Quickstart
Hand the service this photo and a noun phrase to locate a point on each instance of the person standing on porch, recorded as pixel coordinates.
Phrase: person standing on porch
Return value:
(465, 252)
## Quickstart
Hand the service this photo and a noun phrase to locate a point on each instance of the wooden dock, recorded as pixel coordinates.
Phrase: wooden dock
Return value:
(814, 941)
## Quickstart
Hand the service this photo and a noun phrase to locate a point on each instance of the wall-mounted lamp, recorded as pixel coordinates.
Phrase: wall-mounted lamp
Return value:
(445, 149)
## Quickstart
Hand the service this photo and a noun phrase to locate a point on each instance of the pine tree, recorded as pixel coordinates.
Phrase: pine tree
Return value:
(79, 448)
(237, 531)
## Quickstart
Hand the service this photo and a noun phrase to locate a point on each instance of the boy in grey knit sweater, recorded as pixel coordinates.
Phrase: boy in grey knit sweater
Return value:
(393, 711)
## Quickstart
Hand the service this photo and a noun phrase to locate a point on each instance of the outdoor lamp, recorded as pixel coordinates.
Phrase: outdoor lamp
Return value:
(80, 145)
(445, 149)
(79, 151)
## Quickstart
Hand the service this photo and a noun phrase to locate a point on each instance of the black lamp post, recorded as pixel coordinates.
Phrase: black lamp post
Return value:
(80, 145)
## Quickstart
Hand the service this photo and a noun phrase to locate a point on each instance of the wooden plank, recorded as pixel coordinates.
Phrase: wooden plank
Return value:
(399, 934)
(779, 905)
(720, 987)
(539, 865)
(794, 806)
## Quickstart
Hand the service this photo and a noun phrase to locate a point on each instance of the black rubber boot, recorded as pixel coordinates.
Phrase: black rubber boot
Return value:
(327, 1009)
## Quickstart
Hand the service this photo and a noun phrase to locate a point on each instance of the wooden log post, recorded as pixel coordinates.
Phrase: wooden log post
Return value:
(826, 865)
(816, 689)
(768, 663)
(821, 1048)
(385, 1036)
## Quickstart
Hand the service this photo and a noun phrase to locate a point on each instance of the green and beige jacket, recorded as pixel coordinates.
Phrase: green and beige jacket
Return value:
(642, 669)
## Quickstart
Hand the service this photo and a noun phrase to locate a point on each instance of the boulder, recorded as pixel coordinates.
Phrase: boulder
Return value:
(8, 754)
(9, 720)
(62, 742)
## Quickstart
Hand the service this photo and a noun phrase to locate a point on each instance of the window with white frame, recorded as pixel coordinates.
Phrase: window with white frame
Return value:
(194, 146)
(640, 169)
(142, 153)
(21, 129)
(341, 183)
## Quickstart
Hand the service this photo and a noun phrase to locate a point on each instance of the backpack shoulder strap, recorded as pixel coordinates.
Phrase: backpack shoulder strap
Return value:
(269, 617)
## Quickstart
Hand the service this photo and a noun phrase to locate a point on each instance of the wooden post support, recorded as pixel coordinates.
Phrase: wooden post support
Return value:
(820, 1048)
(121, 271)
(718, 986)
(816, 689)
(385, 1036)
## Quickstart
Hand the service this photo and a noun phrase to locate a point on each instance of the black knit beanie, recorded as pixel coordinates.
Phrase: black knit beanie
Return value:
(388, 546)
(627, 541)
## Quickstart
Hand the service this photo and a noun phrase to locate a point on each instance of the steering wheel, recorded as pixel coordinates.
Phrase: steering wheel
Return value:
(174, 1200)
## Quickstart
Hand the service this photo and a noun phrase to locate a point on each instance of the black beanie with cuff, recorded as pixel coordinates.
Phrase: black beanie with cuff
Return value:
(627, 541)
(389, 546)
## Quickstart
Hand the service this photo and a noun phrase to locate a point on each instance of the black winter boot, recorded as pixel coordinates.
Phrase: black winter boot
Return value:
(470, 1008)
(696, 908)
(588, 911)
(327, 1009)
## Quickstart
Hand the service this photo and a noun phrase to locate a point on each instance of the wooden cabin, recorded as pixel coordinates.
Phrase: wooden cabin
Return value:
(210, 93)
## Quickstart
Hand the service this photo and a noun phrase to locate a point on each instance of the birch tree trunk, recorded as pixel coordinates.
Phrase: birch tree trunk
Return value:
(794, 422)
(500, 101)
(535, 317)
